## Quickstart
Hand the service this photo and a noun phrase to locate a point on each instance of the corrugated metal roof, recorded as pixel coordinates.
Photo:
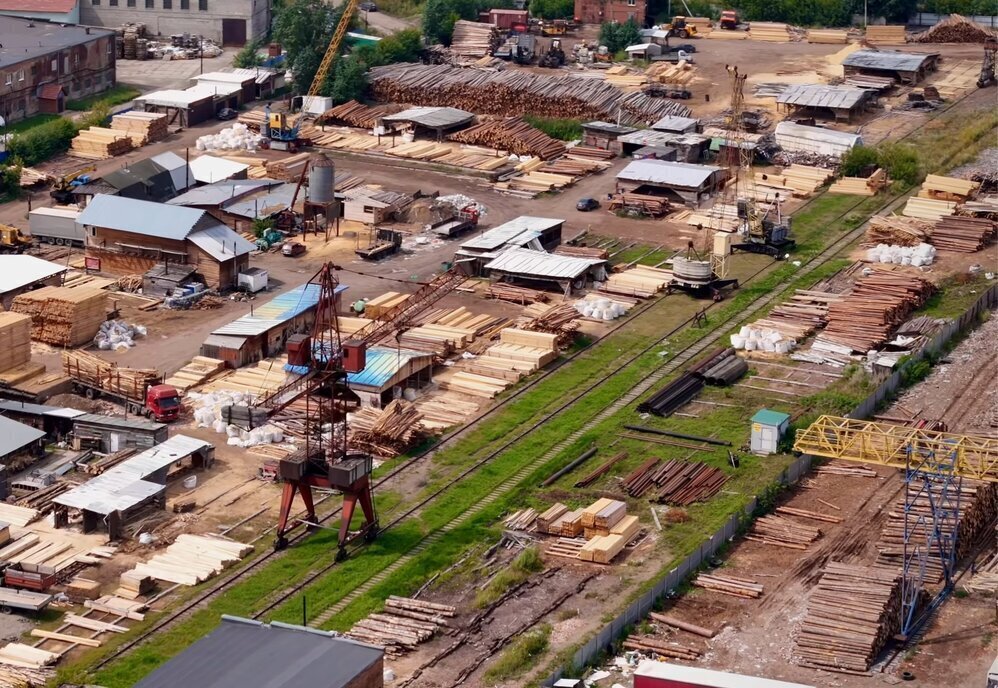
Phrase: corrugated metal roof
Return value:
(209, 169)
(640, 47)
(118, 422)
(432, 117)
(264, 206)
(669, 173)
(39, 409)
(650, 137)
(70, 213)
(182, 175)
(215, 89)
(26, 40)
(275, 312)
(173, 98)
(125, 485)
(797, 137)
(22, 271)
(222, 192)
(224, 342)
(384, 363)
(220, 242)
(688, 675)
(15, 436)
(224, 77)
(510, 232)
(140, 217)
(821, 96)
(675, 124)
(609, 128)
(891, 60)
(260, 75)
(523, 261)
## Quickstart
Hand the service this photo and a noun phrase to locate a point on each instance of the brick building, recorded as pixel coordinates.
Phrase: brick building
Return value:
(231, 22)
(42, 65)
(56, 11)
(600, 11)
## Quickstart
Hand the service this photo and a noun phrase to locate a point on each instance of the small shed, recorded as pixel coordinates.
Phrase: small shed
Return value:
(388, 370)
(689, 147)
(643, 51)
(245, 82)
(605, 135)
(768, 428)
(838, 102)
(526, 265)
(537, 233)
(436, 120)
(19, 440)
(674, 124)
(114, 433)
(906, 68)
(798, 137)
(55, 421)
(185, 108)
(19, 273)
(690, 184)
(371, 205)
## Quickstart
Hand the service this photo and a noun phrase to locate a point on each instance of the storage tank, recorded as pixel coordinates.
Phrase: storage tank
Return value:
(692, 271)
(321, 179)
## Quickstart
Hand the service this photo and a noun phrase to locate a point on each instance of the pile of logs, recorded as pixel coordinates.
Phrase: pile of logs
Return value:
(62, 316)
(513, 135)
(963, 234)
(357, 114)
(520, 295)
(675, 482)
(851, 614)
(141, 127)
(643, 204)
(403, 624)
(560, 320)
(955, 29)
(896, 230)
(387, 432)
(516, 92)
(799, 316)
(655, 646)
(782, 532)
(99, 143)
(96, 372)
(730, 585)
(474, 39)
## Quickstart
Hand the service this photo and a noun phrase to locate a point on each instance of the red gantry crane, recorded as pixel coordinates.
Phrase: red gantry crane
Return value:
(319, 365)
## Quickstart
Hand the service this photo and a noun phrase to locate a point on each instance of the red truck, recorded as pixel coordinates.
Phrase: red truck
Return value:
(141, 391)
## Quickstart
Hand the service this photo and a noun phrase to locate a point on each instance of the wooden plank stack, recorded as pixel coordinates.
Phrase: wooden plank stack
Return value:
(886, 35)
(948, 188)
(386, 432)
(62, 316)
(827, 36)
(603, 513)
(15, 340)
(95, 371)
(641, 281)
(196, 373)
(20, 655)
(379, 305)
(550, 516)
(141, 127)
(474, 39)
(928, 208)
(403, 624)
(288, 169)
(99, 143)
(799, 316)
(192, 559)
(851, 614)
(652, 206)
(803, 179)
(897, 231)
(771, 32)
(513, 135)
(963, 234)
(520, 295)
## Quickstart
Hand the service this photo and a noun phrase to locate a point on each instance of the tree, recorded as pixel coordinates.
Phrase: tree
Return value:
(616, 36)
(401, 46)
(858, 161)
(249, 56)
(304, 28)
(552, 9)
(439, 17)
(349, 80)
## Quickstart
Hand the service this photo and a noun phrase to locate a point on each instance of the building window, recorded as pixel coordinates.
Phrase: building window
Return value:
(20, 75)
(10, 79)
(94, 2)
(202, 5)
(131, 3)
(112, 3)
(167, 4)
(150, 4)
(631, 3)
(185, 4)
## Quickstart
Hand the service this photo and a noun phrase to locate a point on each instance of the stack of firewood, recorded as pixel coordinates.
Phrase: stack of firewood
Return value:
(963, 234)
(403, 624)
(851, 614)
(474, 39)
(513, 135)
(387, 432)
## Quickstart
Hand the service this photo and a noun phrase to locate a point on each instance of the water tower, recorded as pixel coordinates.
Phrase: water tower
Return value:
(321, 206)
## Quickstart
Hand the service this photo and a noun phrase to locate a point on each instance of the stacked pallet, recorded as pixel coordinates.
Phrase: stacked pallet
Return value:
(782, 532)
(403, 624)
(474, 39)
(948, 188)
(141, 127)
(192, 559)
(955, 29)
(98, 143)
(386, 432)
(963, 234)
(675, 482)
(928, 208)
(196, 373)
(851, 614)
(641, 280)
(735, 586)
(62, 316)
(358, 115)
(15, 340)
(827, 36)
(895, 230)
(379, 305)
(771, 32)
(886, 35)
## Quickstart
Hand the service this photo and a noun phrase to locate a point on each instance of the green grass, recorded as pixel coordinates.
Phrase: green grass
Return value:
(956, 294)
(520, 655)
(562, 129)
(113, 96)
(528, 562)
(29, 123)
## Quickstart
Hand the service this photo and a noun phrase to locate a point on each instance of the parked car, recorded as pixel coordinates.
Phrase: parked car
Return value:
(293, 248)
(586, 204)
(226, 113)
(368, 7)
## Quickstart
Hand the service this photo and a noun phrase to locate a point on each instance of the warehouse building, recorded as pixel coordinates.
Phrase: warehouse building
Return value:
(798, 137)
(371, 205)
(42, 65)
(904, 68)
(526, 265)
(56, 422)
(125, 236)
(689, 147)
(114, 433)
(19, 274)
(184, 108)
(674, 124)
(837, 102)
(436, 121)
(240, 652)
(218, 197)
(207, 169)
(676, 181)
(537, 233)
(388, 372)
(156, 179)
(230, 22)
(55, 11)
(605, 135)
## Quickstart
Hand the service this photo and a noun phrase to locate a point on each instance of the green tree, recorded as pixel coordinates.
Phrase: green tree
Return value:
(304, 28)
(401, 46)
(349, 80)
(439, 17)
(859, 160)
(901, 162)
(616, 36)
(10, 181)
(552, 9)
(42, 142)
(249, 56)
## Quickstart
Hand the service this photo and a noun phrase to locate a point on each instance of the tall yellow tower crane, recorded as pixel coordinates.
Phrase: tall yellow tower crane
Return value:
(331, 51)
(934, 465)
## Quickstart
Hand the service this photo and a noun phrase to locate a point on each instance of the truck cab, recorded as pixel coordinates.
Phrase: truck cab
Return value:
(163, 402)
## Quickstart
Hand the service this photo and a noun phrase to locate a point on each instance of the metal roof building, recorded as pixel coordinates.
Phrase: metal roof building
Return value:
(16, 438)
(437, 119)
(566, 271)
(519, 231)
(208, 169)
(220, 193)
(605, 135)
(387, 368)
(140, 217)
(903, 67)
(220, 242)
(239, 653)
(797, 137)
(19, 272)
(842, 102)
(676, 124)
(689, 183)
(690, 147)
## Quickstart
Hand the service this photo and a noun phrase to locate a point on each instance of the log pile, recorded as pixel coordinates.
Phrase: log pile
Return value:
(516, 92)
(520, 295)
(955, 29)
(895, 230)
(782, 532)
(62, 316)
(963, 234)
(560, 321)
(654, 646)
(15, 340)
(99, 143)
(643, 204)
(96, 372)
(386, 432)
(192, 559)
(675, 482)
(30, 176)
(799, 316)
(141, 127)
(357, 114)
(730, 585)
(886, 35)
(513, 135)
(403, 624)
(474, 39)
(851, 614)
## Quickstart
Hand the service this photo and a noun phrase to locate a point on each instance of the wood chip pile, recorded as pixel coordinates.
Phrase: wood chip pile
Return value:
(851, 614)
(404, 624)
(515, 92)
(192, 559)
(474, 39)
(141, 127)
(955, 29)
(15, 340)
(100, 143)
(385, 432)
(513, 135)
(358, 115)
(675, 482)
(62, 316)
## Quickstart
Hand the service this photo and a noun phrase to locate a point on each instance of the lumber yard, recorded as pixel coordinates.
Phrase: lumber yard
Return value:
(535, 363)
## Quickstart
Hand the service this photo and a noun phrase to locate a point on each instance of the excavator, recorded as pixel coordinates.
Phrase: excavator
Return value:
(62, 189)
(12, 241)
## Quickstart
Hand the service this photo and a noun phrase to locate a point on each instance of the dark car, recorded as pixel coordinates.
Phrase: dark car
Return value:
(226, 113)
(293, 248)
(368, 7)
(586, 204)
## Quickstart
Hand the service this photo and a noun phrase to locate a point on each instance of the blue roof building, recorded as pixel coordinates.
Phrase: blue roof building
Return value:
(388, 368)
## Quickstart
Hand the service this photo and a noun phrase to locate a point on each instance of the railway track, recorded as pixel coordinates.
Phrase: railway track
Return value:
(506, 485)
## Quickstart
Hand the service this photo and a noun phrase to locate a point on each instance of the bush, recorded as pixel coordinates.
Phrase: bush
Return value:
(42, 142)
(10, 182)
(616, 36)
(249, 56)
(901, 162)
(552, 9)
(99, 116)
(858, 161)
(114, 96)
(562, 129)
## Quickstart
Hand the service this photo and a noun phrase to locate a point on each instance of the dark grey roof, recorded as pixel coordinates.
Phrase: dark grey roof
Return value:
(13, 406)
(140, 217)
(891, 60)
(240, 653)
(222, 192)
(821, 96)
(145, 180)
(608, 128)
(131, 423)
(28, 39)
(15, 436)
(432, 117)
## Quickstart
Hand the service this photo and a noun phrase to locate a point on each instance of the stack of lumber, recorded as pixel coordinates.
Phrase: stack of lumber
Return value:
(582, 251)
(948, 188)
(571, 166)
(955, 29)
(288, 169)
(15, 340)
(544, 341)
(853, 186)
(782, 532)
(62, 316)
(851, 614)
(728, 35)
(675, 482)
(928, 208)
(520, 295)
(266, 376)
(569, 524)
(476, 385)
(386, 432)
(843, 468)
(641, 280)
(895, 230)
(800, 315)
(513, 135)
(655, 646)
(622, 77)
(254, 119)
(379, 305)
(771, 32)
(192, 559)
(550, 516)
(474, 39)
(652, 206)
(886, 35)
(514, 92)
(98, 143)
(440, 414)
(17, 516)
(478, 325)
(118, 606)
(877, 304)
(95, 371)
(436, 339)
(963, 234)
(30, 176)
(827, 36)
(602, 549)
(196, 373)
(27, 657)
(982, 205)
(604, 513)
(803, 179)
(558, 320)
(141, 127)
(357, 114)
(590, 153)
(521, 520)
(985, 578)
(681, 73)
(403, 624)
(730, 585)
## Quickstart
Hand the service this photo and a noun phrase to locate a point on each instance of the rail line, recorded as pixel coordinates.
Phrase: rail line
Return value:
(681, 357)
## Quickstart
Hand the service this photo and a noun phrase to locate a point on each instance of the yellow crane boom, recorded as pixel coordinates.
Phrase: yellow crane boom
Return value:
(884, 444)
(331, 51)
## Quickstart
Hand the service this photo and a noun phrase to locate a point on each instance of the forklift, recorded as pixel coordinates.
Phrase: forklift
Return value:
(554, 57)
(763, 234)
(679, 27)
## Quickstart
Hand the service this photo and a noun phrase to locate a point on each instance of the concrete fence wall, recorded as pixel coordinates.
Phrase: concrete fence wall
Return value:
(639, 609)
